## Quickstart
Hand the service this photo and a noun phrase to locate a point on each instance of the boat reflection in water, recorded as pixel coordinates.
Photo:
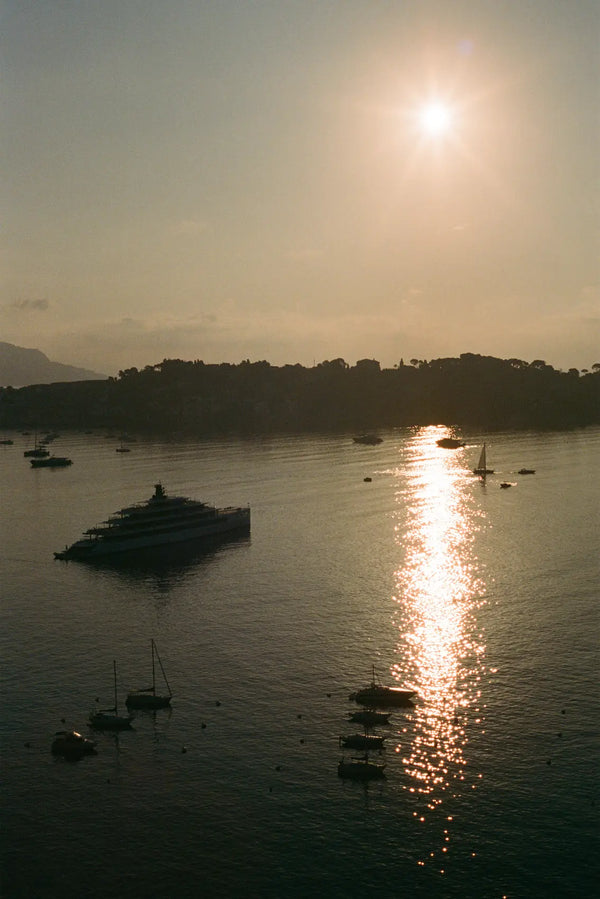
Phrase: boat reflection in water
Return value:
(439, 592)
(166, 560)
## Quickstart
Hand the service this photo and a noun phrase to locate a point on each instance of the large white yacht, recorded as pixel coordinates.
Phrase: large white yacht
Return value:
(159, 521)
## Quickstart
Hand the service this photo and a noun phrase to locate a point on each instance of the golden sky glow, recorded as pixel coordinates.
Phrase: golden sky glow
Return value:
(296, 182)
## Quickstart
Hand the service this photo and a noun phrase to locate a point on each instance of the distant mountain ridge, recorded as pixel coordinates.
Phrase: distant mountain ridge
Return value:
(20, 367)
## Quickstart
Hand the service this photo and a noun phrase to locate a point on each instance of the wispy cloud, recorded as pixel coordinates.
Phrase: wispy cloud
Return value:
(30, 305)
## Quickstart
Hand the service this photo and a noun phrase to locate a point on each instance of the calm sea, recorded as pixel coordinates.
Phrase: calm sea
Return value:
(484, 599)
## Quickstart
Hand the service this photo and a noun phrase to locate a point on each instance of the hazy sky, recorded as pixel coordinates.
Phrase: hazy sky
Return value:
(232, 179)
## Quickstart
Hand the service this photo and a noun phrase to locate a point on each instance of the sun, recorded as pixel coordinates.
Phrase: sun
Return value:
(435, 119)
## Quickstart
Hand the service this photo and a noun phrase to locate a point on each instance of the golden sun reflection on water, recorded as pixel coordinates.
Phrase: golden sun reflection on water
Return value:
(438, 592)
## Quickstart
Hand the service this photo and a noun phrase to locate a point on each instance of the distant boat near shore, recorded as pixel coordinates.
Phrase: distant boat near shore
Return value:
(368, 439)
(449, 443)
(482, 470)
(51, 462)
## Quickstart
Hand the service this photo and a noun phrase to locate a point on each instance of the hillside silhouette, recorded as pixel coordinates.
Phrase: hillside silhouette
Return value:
(196, 399)
(20, 366)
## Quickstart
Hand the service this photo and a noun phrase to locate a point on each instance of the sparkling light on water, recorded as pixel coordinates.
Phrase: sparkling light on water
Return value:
(438, 592)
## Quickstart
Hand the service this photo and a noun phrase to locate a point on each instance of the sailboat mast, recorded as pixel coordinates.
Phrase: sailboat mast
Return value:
(115, 679)
(161, 668)
(153, 674)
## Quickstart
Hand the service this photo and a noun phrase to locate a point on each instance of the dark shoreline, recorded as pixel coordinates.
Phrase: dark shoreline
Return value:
(191, 399)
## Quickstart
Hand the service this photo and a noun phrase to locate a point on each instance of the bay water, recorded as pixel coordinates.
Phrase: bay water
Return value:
(483, 599)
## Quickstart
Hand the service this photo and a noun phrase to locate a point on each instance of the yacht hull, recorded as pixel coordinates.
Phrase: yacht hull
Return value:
(102, 547)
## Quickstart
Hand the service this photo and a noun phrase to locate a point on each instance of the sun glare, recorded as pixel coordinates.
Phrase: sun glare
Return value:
(435, 119)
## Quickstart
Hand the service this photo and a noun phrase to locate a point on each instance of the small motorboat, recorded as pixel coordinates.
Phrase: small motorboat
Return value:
(51, 462)
(72, 745)
(368, 439)
(449, 443)
(362, 741)
(360, 768)
(370, 717)
(526, 471)
(380, 696)
(505, 485)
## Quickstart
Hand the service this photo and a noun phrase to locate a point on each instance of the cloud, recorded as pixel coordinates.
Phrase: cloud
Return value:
(30, 305)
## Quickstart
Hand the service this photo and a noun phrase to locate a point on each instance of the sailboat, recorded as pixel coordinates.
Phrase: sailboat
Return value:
(148, 698)
(39, 451)
(109, 719)
(482, 468)
(376, 695)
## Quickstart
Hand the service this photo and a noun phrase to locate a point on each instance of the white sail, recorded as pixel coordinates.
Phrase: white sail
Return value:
(482, 468)
(481, 465)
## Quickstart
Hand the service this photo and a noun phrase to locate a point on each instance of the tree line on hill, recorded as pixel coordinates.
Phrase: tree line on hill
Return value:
(179, 398)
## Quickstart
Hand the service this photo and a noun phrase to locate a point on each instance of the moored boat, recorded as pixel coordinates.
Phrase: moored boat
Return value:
(72, 745)
(38, 452)
(109, 719)
(482, 470)
(378, 695)
(161, 520)
(449, 443)
(368, 439)
(148, 698)
(51, 462)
